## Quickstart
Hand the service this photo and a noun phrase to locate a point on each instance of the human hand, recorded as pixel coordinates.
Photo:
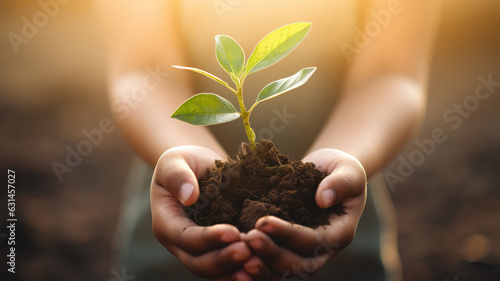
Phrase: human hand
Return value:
(213, 252)
(286, 251)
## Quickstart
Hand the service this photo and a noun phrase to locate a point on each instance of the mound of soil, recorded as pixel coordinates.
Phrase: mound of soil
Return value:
(254, 185)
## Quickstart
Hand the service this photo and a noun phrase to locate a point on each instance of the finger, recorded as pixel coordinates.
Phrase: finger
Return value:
(260, 271)
(346, 178)
(279, 259)
(215, 263)
(178, 168)
(306, 241)
(196, 239)
(256, 268)
(171, 226)
(168, 216)
(346, 184)
(300, 239)
(240, 275)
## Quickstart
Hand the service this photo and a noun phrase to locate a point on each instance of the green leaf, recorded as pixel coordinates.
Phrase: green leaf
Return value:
(229, 54)
(281, 86)
(276, 45)
(209, 75)
(206, 109)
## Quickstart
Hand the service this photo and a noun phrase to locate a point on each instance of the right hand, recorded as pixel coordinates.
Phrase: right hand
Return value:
(213, 252)
(289, 251)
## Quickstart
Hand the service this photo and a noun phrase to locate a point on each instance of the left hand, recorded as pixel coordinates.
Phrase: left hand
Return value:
(214, 251)
(286, 251)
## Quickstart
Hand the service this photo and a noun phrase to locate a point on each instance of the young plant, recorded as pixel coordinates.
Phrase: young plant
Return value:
(211, 109)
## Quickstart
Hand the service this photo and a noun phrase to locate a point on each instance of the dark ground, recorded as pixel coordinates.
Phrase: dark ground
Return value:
(446, 209)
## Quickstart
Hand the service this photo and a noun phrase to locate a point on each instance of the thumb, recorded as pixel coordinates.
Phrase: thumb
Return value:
(345, 178)
(179, 168)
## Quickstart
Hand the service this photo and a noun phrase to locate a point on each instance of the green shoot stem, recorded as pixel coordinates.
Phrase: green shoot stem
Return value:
(232, 90)
(227, 86)
(246, 115)
(252, 107)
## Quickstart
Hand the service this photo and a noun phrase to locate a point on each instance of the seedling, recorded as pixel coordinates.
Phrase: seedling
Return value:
(211, 109)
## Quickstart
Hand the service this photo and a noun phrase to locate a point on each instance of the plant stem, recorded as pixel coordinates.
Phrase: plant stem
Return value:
(246, 115)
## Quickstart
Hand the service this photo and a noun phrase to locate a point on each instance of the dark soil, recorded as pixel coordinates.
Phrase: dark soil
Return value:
(241, 191)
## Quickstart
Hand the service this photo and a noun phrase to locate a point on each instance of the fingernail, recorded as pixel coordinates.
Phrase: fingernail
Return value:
(253, 266)
(266, 228)
(328, 197)
(186, 191)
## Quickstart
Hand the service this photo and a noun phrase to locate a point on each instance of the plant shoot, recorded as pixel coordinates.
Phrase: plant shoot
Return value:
(210, 109)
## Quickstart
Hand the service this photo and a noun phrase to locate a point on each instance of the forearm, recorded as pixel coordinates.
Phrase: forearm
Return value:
(145, 119)
(372, 121)
(143, 41)
(384, 96)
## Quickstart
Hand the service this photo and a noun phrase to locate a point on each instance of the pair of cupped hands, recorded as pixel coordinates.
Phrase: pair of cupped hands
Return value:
(275, 249)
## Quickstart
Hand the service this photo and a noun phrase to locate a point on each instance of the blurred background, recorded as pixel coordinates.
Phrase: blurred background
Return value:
(54, 87)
